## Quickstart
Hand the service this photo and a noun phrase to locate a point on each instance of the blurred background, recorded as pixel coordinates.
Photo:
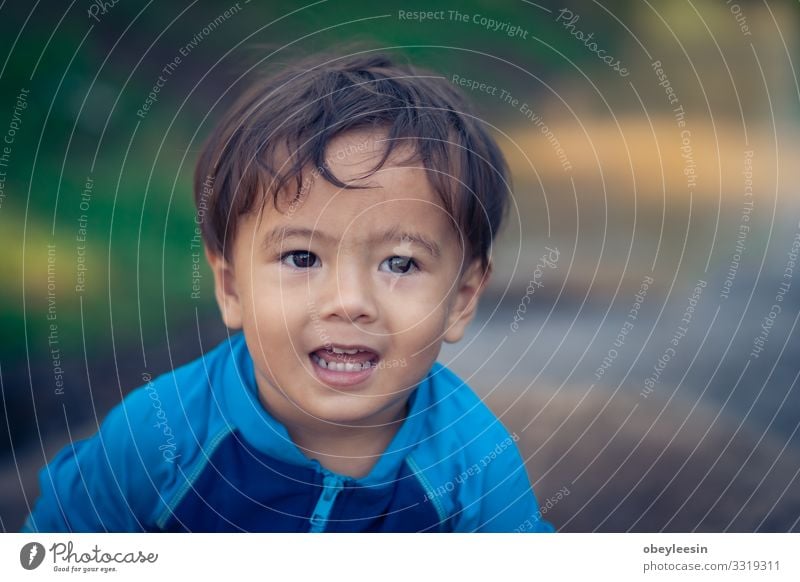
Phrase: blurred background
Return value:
(639, 334)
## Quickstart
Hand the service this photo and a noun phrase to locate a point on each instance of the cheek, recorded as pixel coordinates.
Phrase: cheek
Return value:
(422, 298)
(275, 318)
(418, 326)
(428, 290)
(418, 309)
(273, 295)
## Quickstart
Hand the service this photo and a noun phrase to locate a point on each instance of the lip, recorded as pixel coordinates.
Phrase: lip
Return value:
(337, 379)
(347, 347)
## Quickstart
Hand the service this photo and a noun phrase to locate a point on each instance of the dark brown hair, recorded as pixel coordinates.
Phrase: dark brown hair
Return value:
(282, 125)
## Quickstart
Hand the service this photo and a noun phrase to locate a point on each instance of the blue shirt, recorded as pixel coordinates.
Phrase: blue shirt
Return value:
(194, 450)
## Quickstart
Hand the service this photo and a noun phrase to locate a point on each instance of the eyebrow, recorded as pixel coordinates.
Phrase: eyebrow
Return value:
(277, 235)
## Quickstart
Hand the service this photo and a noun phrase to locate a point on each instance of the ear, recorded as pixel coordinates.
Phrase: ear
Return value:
(471, 286)
(225, 289)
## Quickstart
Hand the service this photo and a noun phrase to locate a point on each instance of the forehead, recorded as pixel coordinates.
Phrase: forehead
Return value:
(396, 199)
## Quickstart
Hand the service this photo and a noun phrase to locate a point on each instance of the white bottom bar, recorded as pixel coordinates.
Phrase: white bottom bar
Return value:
(400, 557)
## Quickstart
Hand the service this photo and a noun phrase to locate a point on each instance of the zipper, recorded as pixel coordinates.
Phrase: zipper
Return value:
(332, 485)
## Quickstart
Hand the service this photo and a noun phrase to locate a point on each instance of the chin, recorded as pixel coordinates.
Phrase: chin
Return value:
(348, 410)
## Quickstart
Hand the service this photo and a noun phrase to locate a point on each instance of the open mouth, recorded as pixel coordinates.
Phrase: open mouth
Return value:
(340, 359)
(344, 366)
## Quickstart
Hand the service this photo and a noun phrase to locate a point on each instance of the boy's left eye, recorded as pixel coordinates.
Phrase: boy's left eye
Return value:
(299, 259)
(400, 265)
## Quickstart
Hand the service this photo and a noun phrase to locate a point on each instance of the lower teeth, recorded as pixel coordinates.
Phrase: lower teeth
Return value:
(341, 366)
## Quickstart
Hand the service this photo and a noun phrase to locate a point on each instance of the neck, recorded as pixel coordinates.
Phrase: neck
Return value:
(351, 450)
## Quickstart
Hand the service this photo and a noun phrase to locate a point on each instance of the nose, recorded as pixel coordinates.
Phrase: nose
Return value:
(347, 293)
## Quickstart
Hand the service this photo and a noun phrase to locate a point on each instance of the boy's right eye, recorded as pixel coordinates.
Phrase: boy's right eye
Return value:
(299, 259)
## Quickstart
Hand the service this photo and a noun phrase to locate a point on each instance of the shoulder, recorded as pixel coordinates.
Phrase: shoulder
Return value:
(160, 431)
(126, 476)
(458, 416)
(469, 462)
(462, 435)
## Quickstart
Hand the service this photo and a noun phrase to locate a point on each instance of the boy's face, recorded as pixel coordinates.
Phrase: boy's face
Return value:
(378, 268)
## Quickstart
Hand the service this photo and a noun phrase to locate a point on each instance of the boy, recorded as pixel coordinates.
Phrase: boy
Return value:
(348, 208)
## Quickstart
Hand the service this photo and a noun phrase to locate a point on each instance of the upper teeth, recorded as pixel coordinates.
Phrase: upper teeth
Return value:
(341, 366)
(336, 350)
